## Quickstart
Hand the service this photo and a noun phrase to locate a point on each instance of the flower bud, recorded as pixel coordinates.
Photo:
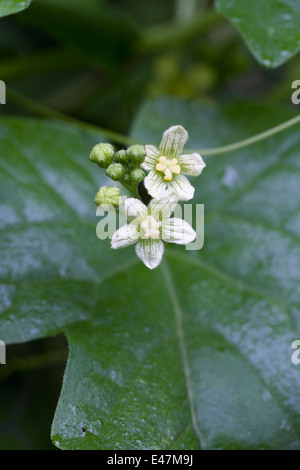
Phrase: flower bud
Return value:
(137, 175)
(126, 179)
(121, 156)
(115, 171)
(136, 153)
(102, 154)
(131, 166)
(108, 196)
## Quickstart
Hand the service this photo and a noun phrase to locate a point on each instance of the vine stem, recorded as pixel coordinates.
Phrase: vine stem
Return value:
(41, 110)
(37, 361)
(185, 10)
(251, 140)
(40, 63)
(161, 37)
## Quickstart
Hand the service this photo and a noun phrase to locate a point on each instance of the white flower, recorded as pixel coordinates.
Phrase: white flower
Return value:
(148, 226)
(167, 166)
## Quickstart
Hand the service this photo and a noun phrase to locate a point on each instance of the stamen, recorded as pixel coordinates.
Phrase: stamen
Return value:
(168, 167)
(176, 169)
(168, 175)
(160, 167)
(150, 227)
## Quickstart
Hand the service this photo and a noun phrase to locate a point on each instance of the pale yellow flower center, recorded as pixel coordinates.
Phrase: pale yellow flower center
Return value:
(150, 227)
(168, 167)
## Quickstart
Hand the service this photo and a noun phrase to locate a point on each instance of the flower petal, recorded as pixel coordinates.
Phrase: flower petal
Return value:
(181, 186)
(155, 183)
(177, 231)
(134, 208)
(163, 207)
(151, 159)
(150, 251)
(125, 236)
(191, 164)
(172, 142)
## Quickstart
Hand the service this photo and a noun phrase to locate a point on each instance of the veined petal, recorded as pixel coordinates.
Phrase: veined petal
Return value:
(191, 164)
(163, 207)
(181, 186)
(125, 236)
(151, 159)
(155, 184)
(150, 251)
(177, 231)
(134, 208)
(173, 141)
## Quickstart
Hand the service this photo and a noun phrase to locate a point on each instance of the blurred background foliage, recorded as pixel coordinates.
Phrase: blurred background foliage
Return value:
(97, 61)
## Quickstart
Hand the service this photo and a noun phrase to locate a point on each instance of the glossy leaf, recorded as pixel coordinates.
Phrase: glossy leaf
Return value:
(194, 354)
(269, 28)
(8, 7)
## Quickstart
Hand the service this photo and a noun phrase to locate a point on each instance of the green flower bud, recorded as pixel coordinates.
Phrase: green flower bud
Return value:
(102, 154)
(108, 196)
(115, 171)
(126, 179)
(136, 153)
(121, 156)
(131, 166)
(137, 175)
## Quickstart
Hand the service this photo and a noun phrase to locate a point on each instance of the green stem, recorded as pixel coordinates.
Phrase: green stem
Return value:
(251, 140)
(131, 189)
(39, 64)
(185, 10)
(82, 85)
(36, 108)
(165, 36)
(38, 361)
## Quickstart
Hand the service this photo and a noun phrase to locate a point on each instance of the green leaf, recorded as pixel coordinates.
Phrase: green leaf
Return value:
(194, 354)
(269, 28)
(8, 7)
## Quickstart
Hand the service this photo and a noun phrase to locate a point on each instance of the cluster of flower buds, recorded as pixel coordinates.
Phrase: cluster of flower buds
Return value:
(123, 166)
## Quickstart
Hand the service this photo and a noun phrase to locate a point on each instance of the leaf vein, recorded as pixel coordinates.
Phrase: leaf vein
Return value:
(181, 339)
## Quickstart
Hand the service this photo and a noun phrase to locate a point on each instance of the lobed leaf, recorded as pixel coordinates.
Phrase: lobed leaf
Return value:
(195, 354)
